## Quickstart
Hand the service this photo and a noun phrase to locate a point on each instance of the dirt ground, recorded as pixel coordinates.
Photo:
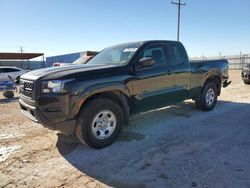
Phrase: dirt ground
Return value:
(178, 146)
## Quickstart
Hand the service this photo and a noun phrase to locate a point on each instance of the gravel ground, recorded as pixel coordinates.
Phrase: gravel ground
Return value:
(178, 146)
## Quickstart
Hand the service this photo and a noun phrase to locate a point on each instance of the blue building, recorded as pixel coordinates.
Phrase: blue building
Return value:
(67, 58)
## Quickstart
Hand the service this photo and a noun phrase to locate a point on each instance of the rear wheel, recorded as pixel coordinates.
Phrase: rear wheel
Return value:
(208, 97)
(99, 123)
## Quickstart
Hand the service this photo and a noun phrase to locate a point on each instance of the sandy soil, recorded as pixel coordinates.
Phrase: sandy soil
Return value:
(178, 146)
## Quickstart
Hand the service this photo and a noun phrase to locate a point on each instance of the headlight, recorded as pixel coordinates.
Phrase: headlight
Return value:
(53, 86)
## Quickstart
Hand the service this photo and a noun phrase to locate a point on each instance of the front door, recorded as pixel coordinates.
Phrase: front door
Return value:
(153, 86)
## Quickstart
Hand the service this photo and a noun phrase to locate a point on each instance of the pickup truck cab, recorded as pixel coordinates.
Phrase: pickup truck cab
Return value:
(93, 101)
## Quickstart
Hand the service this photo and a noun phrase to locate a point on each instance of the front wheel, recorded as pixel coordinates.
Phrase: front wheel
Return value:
(208, 97)
(99, 123)
(8, 94)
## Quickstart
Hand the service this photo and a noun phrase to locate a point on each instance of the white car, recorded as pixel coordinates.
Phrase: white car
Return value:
(13, 72)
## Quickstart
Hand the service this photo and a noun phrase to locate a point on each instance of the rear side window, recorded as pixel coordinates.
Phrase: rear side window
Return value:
(6, 70)
(178, 54)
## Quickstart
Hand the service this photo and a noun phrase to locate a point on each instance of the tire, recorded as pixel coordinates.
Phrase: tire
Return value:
(247, 82)
(208, 97)
(8, 94)
(99, 123)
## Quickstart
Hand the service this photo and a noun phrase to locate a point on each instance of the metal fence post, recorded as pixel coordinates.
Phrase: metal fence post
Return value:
(241, 60)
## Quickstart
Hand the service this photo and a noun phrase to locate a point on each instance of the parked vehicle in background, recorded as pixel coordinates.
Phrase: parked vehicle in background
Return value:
(94, 100)
(245, 74)
(82, 60)
(13, 72)
(8, 87)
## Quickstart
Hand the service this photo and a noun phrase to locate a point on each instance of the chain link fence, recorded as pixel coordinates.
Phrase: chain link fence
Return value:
(236, 62)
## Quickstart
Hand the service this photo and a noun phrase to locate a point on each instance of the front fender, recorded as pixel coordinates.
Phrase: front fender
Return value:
(101, 88)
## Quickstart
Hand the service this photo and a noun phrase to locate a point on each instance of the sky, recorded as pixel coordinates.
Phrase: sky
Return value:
(57, 27)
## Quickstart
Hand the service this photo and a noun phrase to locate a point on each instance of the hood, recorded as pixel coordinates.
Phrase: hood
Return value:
(63, 72)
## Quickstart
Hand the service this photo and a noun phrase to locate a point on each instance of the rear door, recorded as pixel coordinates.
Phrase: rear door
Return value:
(152, 86)
(180, 70)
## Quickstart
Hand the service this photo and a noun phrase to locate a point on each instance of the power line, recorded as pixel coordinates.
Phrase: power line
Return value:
(179, 4)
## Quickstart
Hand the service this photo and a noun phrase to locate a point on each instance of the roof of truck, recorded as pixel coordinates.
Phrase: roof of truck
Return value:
(143, 42)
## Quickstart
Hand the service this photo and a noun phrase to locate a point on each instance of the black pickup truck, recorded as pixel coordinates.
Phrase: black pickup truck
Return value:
(93, 101)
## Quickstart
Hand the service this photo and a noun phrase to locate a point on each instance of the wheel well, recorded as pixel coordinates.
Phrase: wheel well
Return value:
(115, 96)
(217, 81)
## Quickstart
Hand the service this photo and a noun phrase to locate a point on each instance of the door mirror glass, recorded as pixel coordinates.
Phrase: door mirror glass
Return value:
(147, 62)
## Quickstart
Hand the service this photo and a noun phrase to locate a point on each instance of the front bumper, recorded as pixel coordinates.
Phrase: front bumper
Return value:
(37, 115)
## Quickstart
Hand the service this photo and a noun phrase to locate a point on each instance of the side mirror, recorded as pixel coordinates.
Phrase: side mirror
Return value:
(147, 62)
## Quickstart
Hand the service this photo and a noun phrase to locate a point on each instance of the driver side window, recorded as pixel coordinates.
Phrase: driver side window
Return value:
(157, 53)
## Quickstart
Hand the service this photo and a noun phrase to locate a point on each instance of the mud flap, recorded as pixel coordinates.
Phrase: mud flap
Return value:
(226, 83)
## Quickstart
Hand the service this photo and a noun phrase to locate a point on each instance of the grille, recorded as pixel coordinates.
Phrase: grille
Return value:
(26, 88)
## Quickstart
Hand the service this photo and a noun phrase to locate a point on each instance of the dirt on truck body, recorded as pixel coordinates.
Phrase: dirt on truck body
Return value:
(178, 146)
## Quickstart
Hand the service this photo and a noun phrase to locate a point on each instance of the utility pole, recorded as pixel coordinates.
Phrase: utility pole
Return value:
(179, 4)
(21, 49)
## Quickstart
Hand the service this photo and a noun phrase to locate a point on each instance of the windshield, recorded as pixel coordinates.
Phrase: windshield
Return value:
(120, 54)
